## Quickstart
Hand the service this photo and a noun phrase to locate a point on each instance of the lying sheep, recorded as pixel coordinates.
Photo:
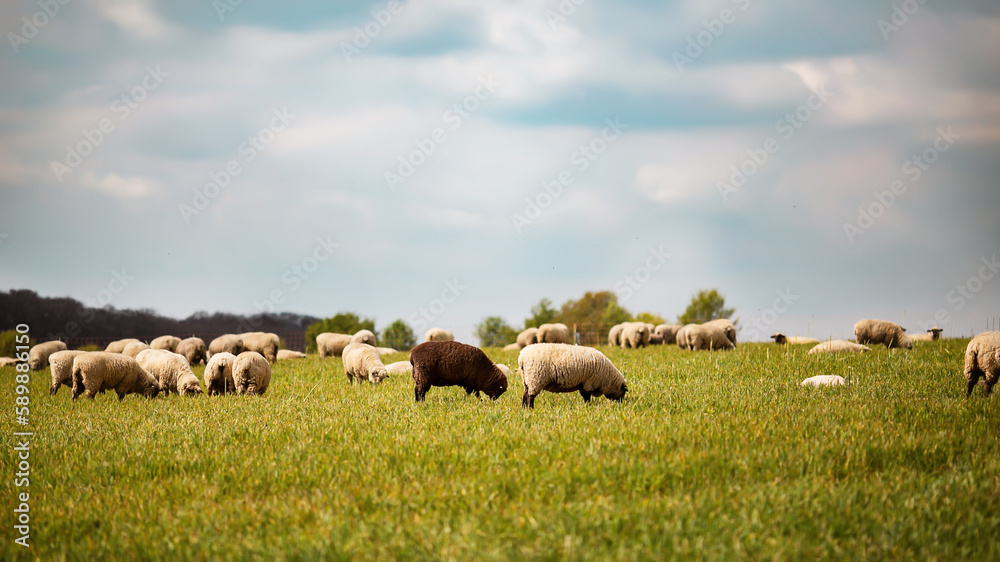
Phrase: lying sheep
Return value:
(934, 334)
(635, 335)
(330, 344)
(8, 361)
(880, 331)
(782, 339)
(840, 346)
(194, 350)
(264, 343)
(399, 368)
(133, 349)
(439, 334)
(99, 371)
(251, 373)
(823, 380)
(219, 374)
(118, 346)
(171, 370)
(512, 347)
(727, 327)
(553, 333)
(61, 363)
(568, 368)
(615, 334)
(386, 350)
(668, 332)
(704, 337)
(38, 355)
(290, 354)
(449, 363)
(165, 342)
(228, 343)
(527, 337)
(982, 359)
(362, 362)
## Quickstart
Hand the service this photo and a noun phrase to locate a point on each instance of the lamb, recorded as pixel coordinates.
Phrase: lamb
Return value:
(133, 349)
(880, 331)
(165, 342)
(527, 337)
(194, 350)
(399, 368)
(782, 339)
(219, 374)
(251, 373)
(439, 334)
(700, 337)
(62, 369)
(553, 333)
(330, 344)
(118, 346)
(512, 347)
(229, 343)
(171, 370)
(98, 371)
(362, 362)
(635, 335)
(38, 355)
(933, 334)
(982, 359)
(264, 343)
(668, 332)
(449, 363)
(568, 368)
(615, 334)
(823, 380)
(840, 346)
(290, 354)
(726, 326)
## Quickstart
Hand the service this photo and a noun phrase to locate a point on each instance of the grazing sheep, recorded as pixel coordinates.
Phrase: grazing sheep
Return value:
(682, 336)
(61, 363)
(568, 368)
(512, 347)
(171, 370)
(450, 363)
(365, 336)
(330, 344)
(615, 334)
(194, 350)
(38, 355)
(386, 350)
(933, 334)
(362, 362)
(99, 371)
(635, 335)
(881, 331)
(824, 380)
(439, 334)
(527, 337)
(229, 343)
(704, 337)
(219, 374)
(290, 354)
(165, 342)
(982, 359)
(251, 373)
(727, 327)
(399, 368)
(668, 332)
(655, 339)
(782, 339)
(118, 346)
(264, 343)
(133, 349)
(6, 361)
(840, 346)
(553, 333)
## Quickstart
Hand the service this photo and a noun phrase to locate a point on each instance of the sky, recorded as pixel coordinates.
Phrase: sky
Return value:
(442, 161)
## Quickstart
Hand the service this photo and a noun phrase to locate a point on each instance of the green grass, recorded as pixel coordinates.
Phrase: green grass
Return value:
(714, 455)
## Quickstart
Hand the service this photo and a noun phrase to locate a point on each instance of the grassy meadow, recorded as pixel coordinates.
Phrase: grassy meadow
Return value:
(712, 455)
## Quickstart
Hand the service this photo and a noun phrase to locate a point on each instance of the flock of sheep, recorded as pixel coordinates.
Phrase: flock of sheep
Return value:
(241, 363)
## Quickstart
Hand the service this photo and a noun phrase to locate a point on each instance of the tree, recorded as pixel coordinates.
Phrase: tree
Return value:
(650, 318)
(399, 336)
(342, 323)
(494, 331)
(705, 306)
(615, 313)
(541, 313)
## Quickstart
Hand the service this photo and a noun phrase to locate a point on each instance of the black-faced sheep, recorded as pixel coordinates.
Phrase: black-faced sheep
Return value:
(38, 355)
(782, 339)
(251, 373)
(568, 368)
(933, 334)
(982, 359)
(99, 371)
(883, 332)
(449, 363)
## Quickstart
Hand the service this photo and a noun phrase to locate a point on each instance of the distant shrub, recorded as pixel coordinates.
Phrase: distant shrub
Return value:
(8, 343)
(343, 323)
(89, 347)
(398, 336)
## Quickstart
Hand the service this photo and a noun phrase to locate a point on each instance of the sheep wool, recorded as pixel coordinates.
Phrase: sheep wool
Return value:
(399, 368)
(823, 380)
(568, 368)
(782, 339)
(330, 344)
(668, 332)
(615, 334)
(450, 363)
(727, 327)
(264, 343)
(61, 363)
(171, 370)
(635, 335)
(290, 354)
(527, 337)
(682, 336)
(982, 360)
(512, 347)
(362, 362)
(219, 374)
(365, 336)
(99, 371)
(705, 337)
(553, 333)
(439, 334)
(8, 361)
(118, 346)
(229, 343)
(933, 334)
(840, 346)
(165, 342)
(133, 349)
(386, 350)
(194, 350)
(881, 332)
(251, 373)
(38, 355)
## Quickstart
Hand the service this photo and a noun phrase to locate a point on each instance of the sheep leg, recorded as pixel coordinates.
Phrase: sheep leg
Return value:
(53, 390)
(420, 391)
(586, 396)
(972, 377)
(528, 400)
(989, 382)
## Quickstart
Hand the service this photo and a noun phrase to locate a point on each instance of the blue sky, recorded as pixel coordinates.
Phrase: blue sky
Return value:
(312, 107)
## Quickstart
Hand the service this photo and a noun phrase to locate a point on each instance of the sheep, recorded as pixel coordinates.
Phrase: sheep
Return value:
(503, 369)
(7, 361)
(682, 336)
(615, 334)
(61, 363)
(700, 337)
(881, 331)
(635, 335)
(165, 342)
(171, 370)
(553, 333)
(933, 334)
(98, 371)
(512, 347)
(568, 368)
(38, 355)
(133, 349)
(251, 373)
(782, 339)
(527, 337)
(655, 339)
(219, 374)
(450, 363)
(264, 343)
(439, 334)
(823, 380)
(399, 368)
(840, 346)
(289, 354)
(386, 350)
(726, 325)
(118, 346)
(194, 350)
(362, 362)
(365, 336)
(668, 332)
(229, 343)
(982, 359)
(330, 344)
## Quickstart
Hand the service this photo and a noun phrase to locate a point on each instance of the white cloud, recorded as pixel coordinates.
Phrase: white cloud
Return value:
(117, 186)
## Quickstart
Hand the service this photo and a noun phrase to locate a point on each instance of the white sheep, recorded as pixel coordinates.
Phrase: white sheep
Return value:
(38, 355)
(330, 344)
(228, 343)
(194, 349)
(251, 373)
(133, 349)
(668, 332)
(512, 347)
(782, 339)
(118, 346)
(165, 342)
(727, 327)
(704, 337)
(439, 334)
(503, 369)
(386, 350)
(823, 380)
(982, 359)
(99, 371)
(682, 336)
(527, 337)
(553, 333)
(933, 334)
(615, 334)
(635, 335)
(290, 354)
(171, 370)
(568, 368)
(883, 332)
(7, 361)
(61, 363)
(399, 368)
(840, 346)
(264, 343)
(362, 362)
(219, 374)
